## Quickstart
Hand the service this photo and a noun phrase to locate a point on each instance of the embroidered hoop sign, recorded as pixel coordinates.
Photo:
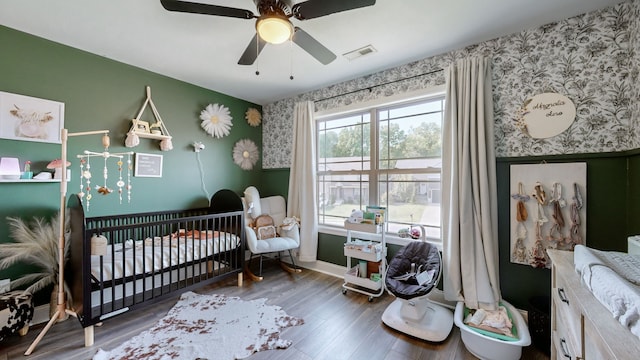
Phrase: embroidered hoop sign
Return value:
(546, 115)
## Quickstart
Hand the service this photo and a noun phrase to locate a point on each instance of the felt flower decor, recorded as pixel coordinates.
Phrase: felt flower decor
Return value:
(253, 117)
(216, 120)
(245, 154)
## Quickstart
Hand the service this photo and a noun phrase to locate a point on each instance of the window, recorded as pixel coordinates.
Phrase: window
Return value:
(389, 156)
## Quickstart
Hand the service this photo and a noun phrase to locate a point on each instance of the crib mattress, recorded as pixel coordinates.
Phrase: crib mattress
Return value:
(614, 279)
(158, 253)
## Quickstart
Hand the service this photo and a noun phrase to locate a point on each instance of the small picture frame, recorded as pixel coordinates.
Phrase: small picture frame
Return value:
(141, 126)
(148, 165)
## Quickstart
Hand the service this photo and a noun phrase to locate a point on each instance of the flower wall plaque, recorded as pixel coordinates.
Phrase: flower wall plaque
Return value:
(216, 120)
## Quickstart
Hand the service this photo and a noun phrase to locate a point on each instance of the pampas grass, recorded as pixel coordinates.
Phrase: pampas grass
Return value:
(36, 243)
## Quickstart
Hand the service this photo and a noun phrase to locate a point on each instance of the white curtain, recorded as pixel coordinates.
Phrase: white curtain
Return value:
(470, 215)
(302, 180)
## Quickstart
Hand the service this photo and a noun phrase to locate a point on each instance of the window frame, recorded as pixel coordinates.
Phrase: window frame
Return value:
(373, 107)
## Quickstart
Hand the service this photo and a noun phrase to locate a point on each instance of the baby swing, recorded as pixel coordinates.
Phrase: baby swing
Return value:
(412, 274)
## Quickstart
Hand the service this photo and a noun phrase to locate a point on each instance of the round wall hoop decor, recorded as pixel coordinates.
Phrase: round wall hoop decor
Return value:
(245, 154)
(546, 115)
(253, 117)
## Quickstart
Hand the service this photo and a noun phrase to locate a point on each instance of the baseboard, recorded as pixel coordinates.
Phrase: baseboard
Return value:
(324, 267)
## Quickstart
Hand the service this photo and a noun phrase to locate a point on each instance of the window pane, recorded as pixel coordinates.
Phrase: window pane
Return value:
(344, 143)
(411, 136)
(412, 199)
(338, 195)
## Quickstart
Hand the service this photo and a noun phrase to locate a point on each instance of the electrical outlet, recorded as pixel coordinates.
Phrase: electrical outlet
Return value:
(5, 285)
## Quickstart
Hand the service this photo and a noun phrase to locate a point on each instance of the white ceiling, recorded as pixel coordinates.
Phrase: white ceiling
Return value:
(204, 50)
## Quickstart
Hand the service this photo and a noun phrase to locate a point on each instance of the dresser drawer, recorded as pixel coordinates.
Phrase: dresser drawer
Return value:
(596, 348)
(563, 342)
(568, 316)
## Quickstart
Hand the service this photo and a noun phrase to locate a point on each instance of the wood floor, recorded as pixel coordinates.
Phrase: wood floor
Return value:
(337, 326)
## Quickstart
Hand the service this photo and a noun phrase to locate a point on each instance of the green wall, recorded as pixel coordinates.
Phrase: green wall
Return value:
(104, 94)
(633, 196)
(613, 210)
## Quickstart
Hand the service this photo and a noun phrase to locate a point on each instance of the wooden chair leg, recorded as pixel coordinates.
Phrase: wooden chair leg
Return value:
(287, 268)
(250, 274)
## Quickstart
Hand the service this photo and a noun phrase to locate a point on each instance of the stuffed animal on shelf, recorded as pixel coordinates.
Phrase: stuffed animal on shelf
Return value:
(356, 216)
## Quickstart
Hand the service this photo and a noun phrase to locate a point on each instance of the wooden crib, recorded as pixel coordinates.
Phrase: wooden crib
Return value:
(144, 257)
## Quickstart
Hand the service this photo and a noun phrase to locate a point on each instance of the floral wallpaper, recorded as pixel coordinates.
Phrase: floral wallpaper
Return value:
(634, 33)
(589, 58)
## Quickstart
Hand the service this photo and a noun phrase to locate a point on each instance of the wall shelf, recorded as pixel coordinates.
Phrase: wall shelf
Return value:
(150, 136)
(30, 181)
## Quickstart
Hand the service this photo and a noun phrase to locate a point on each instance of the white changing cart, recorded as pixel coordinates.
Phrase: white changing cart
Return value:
(352, 280)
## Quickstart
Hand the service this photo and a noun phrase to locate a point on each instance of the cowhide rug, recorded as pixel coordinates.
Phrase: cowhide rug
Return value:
(209, 327)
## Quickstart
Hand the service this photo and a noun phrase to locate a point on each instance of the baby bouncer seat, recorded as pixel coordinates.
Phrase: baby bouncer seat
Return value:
(412, 274)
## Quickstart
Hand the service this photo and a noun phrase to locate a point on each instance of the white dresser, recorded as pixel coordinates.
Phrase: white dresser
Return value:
(581, 327)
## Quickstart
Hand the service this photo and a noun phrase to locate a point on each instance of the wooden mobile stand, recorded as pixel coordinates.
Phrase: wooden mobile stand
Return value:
(61, 310)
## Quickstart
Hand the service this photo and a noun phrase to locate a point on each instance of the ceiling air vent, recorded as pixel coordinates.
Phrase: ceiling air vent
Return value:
(355, 54)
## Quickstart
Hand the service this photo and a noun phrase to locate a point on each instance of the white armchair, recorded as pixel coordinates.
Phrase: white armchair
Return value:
(288, 240)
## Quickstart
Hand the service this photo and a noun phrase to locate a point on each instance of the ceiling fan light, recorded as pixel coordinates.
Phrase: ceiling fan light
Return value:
(274, 30)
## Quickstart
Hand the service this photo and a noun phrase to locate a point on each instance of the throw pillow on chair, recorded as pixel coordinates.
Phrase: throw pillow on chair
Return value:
(264, 226)
(266, 232)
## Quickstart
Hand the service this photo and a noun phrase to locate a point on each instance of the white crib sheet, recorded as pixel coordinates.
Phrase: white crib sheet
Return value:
(612, 278)
(143, 256)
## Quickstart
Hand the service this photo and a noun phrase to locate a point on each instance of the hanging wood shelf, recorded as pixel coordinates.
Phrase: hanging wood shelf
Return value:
(154, 136)
(146, 130)
(137, 126)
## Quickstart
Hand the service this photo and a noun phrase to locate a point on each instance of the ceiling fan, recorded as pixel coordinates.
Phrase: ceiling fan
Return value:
(273, 25)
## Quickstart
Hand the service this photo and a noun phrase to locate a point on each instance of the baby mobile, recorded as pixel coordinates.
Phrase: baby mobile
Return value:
(86, 174)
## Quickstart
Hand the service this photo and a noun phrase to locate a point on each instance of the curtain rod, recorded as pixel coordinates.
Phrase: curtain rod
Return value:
(378, 85)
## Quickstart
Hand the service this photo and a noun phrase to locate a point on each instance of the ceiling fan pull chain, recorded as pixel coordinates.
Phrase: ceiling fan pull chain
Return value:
(291, 58)
(257, 52)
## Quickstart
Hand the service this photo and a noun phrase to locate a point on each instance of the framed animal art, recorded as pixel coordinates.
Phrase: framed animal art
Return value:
(30, 119)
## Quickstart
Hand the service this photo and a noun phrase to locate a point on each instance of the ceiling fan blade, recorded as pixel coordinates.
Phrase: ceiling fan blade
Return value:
(197, 8)
(311, 9)
(252, 51)
(312, 46)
